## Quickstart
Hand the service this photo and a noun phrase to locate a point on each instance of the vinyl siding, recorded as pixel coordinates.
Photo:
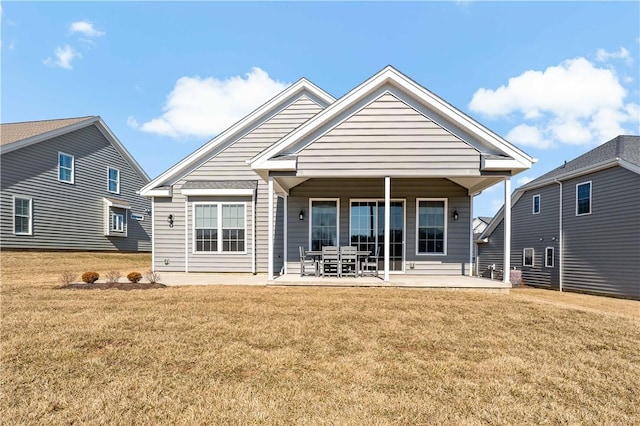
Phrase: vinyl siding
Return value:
(602, 250)
(388, 138)
(230, 163)
(492, 253)
(72, 216)
(455, 262)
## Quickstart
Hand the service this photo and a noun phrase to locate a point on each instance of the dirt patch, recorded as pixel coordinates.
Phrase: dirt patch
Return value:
(112, 286)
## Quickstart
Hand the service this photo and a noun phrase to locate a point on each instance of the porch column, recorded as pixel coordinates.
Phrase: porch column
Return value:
(387, 225)
(270, 231)
(507, 231)
(286, 232)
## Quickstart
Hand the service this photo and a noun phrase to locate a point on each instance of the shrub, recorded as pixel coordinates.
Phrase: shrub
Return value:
(134, 277)
(113, 276)
(90, 277)
(68, 277)
(152, 276)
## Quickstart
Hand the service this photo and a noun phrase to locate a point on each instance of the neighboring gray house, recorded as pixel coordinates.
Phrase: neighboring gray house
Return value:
(70, 184)
(308, 170)
(589, 241)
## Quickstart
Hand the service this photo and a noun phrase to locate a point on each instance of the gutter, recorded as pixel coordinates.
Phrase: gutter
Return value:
(561, 236)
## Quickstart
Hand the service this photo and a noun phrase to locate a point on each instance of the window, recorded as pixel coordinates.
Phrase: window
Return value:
(113, 178)
(118, 222)
(65, 167)
(219, 227)
(527, 257)
(583, 198)
(432, 226)
(324, 224)
(548, 257)
(536, 204)
(22, 216)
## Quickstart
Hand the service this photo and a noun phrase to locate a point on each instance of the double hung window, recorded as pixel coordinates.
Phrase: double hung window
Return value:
(117, 224)
(22, 214)
(113, 177)
(65, 167)
(527, 257)
(219, 227)
(583, 198)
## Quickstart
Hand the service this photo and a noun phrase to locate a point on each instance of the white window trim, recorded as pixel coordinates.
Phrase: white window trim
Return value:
(13, 216)
(533, 257)
(113, 222)
(218, 205)
(73, 168)
(546, 257)
(446, 225)
(533, 204)
(117, 191)
(337, 200)
(590, 198)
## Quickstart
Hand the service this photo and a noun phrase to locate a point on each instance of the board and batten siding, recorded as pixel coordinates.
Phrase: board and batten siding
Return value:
(231, 164)
(72, 216)
(455, 262)
(602, 249)
(388, 138)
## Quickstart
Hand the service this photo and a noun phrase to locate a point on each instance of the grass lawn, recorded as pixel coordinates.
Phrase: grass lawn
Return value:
(256, 355)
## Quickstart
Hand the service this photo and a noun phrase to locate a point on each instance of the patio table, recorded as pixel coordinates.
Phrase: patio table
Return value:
(317, 255)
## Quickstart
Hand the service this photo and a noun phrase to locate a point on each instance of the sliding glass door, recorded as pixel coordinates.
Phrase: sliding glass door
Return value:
(367, 230)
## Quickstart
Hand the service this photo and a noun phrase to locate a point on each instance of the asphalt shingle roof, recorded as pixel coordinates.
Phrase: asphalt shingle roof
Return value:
(13, 132)
(220, 184)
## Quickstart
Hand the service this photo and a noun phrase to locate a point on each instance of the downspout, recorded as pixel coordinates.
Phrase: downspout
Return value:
(561, 236)
(186, 234)
(153, 233)
(286, 234)
(471, 243)
(253, 232)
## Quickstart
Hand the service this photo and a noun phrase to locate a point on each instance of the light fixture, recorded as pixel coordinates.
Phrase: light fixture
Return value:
(301, 215)
(541, 239)
(170, 220)
(455, 215)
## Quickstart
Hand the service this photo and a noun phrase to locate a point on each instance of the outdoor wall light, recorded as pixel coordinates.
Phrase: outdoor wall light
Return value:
(170, 220)
(301, 215)
(455, 215)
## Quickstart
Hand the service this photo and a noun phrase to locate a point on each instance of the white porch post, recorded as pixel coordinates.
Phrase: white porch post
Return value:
(471, 242)
(507, 231)
(270, 231)
(286, 232)
(387, 225)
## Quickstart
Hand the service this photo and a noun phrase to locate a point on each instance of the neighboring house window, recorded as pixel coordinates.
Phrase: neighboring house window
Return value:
(548, 257)
(219, 227)
(536, 204)
(324, 224)
(583, 198)
(118, 222)
(113, 180)
(22, 216)
(527, 257)
(65, 167)
(432, 226)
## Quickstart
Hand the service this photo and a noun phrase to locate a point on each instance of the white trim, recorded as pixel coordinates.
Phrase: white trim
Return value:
(387, 225)
(159, 192)
(13, 216)
(498, 164)
(114, 222)
(561, 242)
(471, 245)
(524, 256)
(506, 275)
(186, 233)
(117, 191)
(253, 233)
(280, 165)
(219, 229)
(546, 257)
(311, 200)
(286, 232)
(446, 225)
(153, 233)
(270, 228)
(533, 204)
(218, 192)
(73, 168)
(590, 198)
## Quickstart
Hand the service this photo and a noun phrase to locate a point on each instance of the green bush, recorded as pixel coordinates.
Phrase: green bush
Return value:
(134, 277)
(90, 277)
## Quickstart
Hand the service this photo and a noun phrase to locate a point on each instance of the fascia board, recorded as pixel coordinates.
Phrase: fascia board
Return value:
(279, 165)
(491, 164)
(239, 128)
(575, 173)
(157, 192)
(107, 133)
(218, 192)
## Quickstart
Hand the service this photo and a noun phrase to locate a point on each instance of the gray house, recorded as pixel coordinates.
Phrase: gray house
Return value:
(576, 227)
(70, 184)
(388, 165)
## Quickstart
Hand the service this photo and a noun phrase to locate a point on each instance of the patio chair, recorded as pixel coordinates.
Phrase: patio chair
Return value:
(308, 265)
(348, 261)
(369, 265)
(330, 261)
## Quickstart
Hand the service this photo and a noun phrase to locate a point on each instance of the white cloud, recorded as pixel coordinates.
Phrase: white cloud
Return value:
(604, 56)
(132, 122)
(496, 203)
(85, 28)
(62, 57)
(524, 180)
(203, 107)
(572, 103)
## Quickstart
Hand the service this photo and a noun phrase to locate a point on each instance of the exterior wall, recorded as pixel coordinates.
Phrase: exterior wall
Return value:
(230, 164)
(602, 249)
(491, 253)
(71, 216)
(455, 262)
(388, 138)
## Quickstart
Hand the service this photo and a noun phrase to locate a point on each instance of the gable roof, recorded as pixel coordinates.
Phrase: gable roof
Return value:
(239, 129)
(14, 136)
(623, 151)
(390, 75)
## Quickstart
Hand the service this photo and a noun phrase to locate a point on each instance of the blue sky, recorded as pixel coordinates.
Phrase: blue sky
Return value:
(554, 78)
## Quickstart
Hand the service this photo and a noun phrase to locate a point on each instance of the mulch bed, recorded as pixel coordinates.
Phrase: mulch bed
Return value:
(112, 286)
